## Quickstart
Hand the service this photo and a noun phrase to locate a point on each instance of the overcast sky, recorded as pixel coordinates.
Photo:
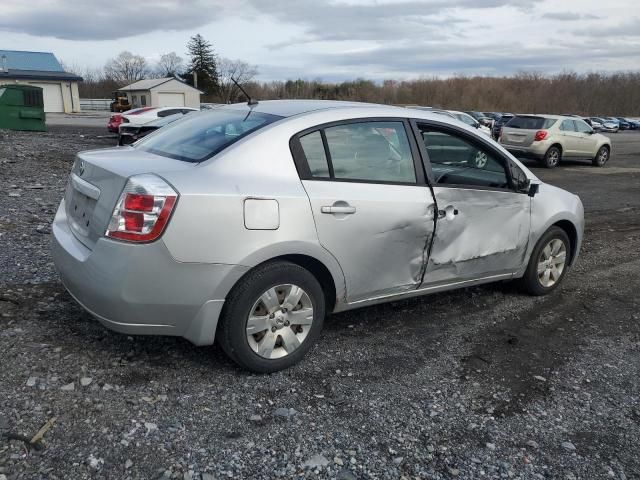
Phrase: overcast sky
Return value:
(340, 39)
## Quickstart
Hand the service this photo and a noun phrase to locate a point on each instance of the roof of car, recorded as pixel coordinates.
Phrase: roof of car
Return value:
(289, 108)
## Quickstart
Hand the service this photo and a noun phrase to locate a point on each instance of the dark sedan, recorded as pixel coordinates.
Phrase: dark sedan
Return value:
(499, 123)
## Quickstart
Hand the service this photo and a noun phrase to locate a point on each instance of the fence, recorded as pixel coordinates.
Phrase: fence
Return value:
(98, 104)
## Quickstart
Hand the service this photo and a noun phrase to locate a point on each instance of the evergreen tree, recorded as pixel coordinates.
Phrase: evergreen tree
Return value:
(204, 63)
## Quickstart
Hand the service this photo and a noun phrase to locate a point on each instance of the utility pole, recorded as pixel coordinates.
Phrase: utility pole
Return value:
(195, 79)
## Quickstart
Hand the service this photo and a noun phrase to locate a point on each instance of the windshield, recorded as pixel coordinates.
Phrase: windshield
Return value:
(199, 136)
(530, 123)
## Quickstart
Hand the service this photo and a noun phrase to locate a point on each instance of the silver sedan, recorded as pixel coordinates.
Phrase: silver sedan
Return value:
(248, 224)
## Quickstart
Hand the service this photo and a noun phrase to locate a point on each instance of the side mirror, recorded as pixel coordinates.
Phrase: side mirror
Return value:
(591, 132)
(533, 189)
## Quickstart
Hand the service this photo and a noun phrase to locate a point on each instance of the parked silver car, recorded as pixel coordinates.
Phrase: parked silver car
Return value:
(248, 224)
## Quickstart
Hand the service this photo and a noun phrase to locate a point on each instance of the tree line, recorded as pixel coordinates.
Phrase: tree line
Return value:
(568, 92)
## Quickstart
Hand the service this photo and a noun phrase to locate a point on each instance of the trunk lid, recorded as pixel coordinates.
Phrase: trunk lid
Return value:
(517, 137)
(96, 181)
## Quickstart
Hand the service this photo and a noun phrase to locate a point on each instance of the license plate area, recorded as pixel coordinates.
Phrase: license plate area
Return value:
(79, 211)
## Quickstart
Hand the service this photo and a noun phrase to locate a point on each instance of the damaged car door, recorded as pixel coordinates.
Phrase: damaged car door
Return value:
(482, 225)
(372, 207)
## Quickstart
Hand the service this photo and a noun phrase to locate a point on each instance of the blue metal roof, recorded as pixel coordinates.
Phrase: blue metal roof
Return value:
(40, 61)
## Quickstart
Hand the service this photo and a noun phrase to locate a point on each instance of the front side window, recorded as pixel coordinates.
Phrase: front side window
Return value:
(200, 136)
(457, 161)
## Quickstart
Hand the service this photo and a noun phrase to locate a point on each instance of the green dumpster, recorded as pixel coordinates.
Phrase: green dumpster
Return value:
(22, 108)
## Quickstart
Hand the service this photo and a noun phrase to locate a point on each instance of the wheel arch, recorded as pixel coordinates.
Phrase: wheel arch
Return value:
(572, 232)
(558, 146)
(322, 265)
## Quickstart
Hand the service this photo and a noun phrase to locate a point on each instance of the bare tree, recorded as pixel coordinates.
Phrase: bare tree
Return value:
(126, 67)
(170, 65)
(241, 71)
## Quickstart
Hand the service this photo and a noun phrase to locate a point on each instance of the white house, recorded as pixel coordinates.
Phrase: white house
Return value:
(162, 92)
(42, 69)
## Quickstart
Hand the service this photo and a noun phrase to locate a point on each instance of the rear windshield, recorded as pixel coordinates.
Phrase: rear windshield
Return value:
(199, 136)
(530, 123)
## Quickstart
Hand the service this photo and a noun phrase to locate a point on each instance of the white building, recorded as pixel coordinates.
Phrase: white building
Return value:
(42, 69)
(162, 92)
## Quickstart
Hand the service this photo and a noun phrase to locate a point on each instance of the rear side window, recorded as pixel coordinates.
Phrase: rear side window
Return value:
(582, 126)
(316, 157)
(199, 136)
(367, 151)
(567, 126)
(530, 122)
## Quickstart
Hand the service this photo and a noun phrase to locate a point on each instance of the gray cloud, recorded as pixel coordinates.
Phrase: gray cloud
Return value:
(338, 21)
(628, 28)
(569, 16)
(100, 20)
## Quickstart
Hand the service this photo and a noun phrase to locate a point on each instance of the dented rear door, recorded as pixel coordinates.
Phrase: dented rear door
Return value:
(372, 209)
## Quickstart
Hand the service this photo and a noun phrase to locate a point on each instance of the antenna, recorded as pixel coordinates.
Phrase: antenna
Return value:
(251, 102)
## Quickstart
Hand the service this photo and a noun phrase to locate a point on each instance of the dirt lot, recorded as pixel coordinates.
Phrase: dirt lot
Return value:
(477, 383)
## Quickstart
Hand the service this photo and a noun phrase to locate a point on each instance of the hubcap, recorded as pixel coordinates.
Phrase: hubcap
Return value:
(554, 157)
(280, 321)
(551, 263)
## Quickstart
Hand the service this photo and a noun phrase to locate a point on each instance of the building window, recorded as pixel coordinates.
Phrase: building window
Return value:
(143, 100)
(134, 101)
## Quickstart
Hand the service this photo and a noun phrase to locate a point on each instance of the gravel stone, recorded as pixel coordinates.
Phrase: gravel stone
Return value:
(68, 387)
(315, 462)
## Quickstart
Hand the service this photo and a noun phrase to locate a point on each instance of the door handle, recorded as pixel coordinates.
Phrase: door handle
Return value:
(449, 209)
(346, 209)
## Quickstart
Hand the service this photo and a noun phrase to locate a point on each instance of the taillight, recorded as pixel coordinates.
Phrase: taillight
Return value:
(116, 118)
(540, 135)
(143, 210)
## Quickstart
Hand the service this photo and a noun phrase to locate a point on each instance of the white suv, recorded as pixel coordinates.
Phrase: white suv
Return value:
(550, 138)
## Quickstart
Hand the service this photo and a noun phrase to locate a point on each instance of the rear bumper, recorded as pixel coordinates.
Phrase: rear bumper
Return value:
(141, 289)
(525, 152)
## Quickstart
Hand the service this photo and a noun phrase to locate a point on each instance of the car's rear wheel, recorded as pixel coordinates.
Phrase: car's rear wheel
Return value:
(602, 157)
(552, 157)
(272, 317)
(548, 263)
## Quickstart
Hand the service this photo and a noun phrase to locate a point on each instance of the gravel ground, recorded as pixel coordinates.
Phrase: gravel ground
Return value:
(478, 383)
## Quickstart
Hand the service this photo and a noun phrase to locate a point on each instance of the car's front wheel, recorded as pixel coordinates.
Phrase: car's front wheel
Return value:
(552, 157)
(602, 157)
(272, 317)
(548, 263)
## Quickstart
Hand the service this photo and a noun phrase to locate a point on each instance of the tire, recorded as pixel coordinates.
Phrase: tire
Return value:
(602, 157)
(552, 158)
(533, 281)
(278, 341)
